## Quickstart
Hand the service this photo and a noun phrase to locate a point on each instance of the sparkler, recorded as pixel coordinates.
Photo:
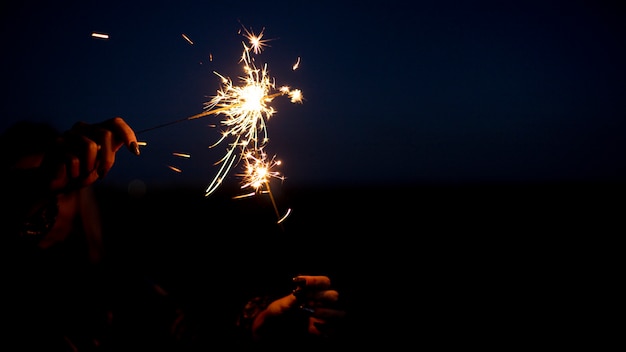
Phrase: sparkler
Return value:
(247, 109)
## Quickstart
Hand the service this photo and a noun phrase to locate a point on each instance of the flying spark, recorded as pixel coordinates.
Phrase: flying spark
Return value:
(187, 38)
(175, 168)
(100, 35)
(257, 43)
(258, 170)
(296, 65)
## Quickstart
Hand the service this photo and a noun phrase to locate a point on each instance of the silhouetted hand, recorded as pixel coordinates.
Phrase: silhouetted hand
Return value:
(86, 153)
(311, 309)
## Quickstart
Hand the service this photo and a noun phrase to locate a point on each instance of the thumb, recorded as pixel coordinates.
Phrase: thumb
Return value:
(281, 305)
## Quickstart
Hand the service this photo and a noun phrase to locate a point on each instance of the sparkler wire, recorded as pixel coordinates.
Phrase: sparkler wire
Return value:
(203, 114)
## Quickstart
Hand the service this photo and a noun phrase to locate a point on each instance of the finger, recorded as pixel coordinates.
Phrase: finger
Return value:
(324, 327)
(90, 178)
(317, 298)
(76, 173)
(328, 313)
(73, 167)
(109, 136)
(59, 177)
(80, 142)
(106, 152)
(281, 305)
(316, 326)
(326, 296)
(91, 152)
(123, 133)
(316, 282)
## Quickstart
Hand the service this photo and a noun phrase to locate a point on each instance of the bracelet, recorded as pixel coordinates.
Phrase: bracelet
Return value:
(42, 221)
(251, 309)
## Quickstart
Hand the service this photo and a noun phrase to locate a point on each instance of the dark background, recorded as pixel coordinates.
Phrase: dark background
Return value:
(453, 163)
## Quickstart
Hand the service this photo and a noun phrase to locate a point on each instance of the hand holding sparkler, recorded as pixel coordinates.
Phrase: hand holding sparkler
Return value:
(312, 307)
(47, 170)
(86, 153)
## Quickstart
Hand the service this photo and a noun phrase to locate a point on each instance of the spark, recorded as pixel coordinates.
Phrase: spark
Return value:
(182, 155)
(284, 216)
(257, 43)
(295, 95)
(245, 195)
(187, 38)
(174, 168)
(100, 35)
(296, 65)
(258, 170)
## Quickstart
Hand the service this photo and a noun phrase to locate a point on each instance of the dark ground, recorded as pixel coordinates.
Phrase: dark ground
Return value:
(476, 266)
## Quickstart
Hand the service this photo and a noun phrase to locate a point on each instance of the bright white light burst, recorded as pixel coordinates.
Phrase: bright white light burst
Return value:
(258, 170)
(247, 110)
(256, 42)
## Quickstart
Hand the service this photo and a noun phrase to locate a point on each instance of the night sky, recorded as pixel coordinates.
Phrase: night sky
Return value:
(446, 92)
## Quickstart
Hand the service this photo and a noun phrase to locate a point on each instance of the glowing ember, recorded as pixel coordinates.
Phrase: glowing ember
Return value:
(175, 168)
(259, 170)
(100, 35)
(296, 65)
(187, 38)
